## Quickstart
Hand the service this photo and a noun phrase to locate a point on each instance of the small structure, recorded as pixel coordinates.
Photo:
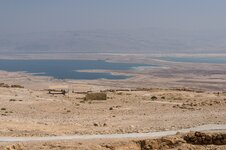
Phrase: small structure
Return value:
(96, 96)
(58, 89)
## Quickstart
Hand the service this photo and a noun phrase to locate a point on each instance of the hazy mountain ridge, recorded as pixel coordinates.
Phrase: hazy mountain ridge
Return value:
(137, 41)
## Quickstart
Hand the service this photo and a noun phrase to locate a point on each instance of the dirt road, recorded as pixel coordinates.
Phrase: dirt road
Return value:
(209, 127)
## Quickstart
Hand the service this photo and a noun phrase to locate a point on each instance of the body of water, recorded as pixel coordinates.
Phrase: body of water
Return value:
(67, 69)
(215, 60)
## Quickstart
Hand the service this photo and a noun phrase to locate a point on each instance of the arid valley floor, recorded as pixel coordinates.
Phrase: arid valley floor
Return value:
(170, 97)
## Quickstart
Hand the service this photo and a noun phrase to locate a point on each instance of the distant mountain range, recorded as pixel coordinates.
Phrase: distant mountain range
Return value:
(125, 41)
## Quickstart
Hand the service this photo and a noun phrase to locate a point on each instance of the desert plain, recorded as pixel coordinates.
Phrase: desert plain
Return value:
(170, 96)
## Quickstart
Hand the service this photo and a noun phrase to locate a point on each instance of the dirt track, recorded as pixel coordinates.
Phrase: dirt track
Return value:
(151, 135)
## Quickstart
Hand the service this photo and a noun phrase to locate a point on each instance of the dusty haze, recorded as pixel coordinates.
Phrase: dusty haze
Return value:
(128, 26)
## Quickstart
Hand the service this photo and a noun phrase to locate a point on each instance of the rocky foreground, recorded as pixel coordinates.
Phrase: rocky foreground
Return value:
(189, 141)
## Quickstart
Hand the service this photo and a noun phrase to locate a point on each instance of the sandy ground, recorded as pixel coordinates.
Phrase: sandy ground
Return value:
(26, 112)
(31, 111)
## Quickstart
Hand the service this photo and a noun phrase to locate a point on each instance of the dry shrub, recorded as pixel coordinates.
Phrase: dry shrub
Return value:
(154, 98)
(16, 86)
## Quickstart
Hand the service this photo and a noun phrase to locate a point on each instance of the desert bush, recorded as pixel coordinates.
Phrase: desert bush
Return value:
(4, 85)
(16, 86)
(154, 98)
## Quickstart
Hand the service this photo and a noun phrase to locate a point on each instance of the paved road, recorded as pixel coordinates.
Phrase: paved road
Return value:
(209, 127)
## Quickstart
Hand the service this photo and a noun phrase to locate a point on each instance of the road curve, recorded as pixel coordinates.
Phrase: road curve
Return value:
(209, 127)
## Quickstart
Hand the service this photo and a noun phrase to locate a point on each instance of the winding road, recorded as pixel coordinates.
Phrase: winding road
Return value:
(209, 127)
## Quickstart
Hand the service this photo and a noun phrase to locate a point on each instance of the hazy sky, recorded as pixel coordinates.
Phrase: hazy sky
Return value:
(61, 15)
